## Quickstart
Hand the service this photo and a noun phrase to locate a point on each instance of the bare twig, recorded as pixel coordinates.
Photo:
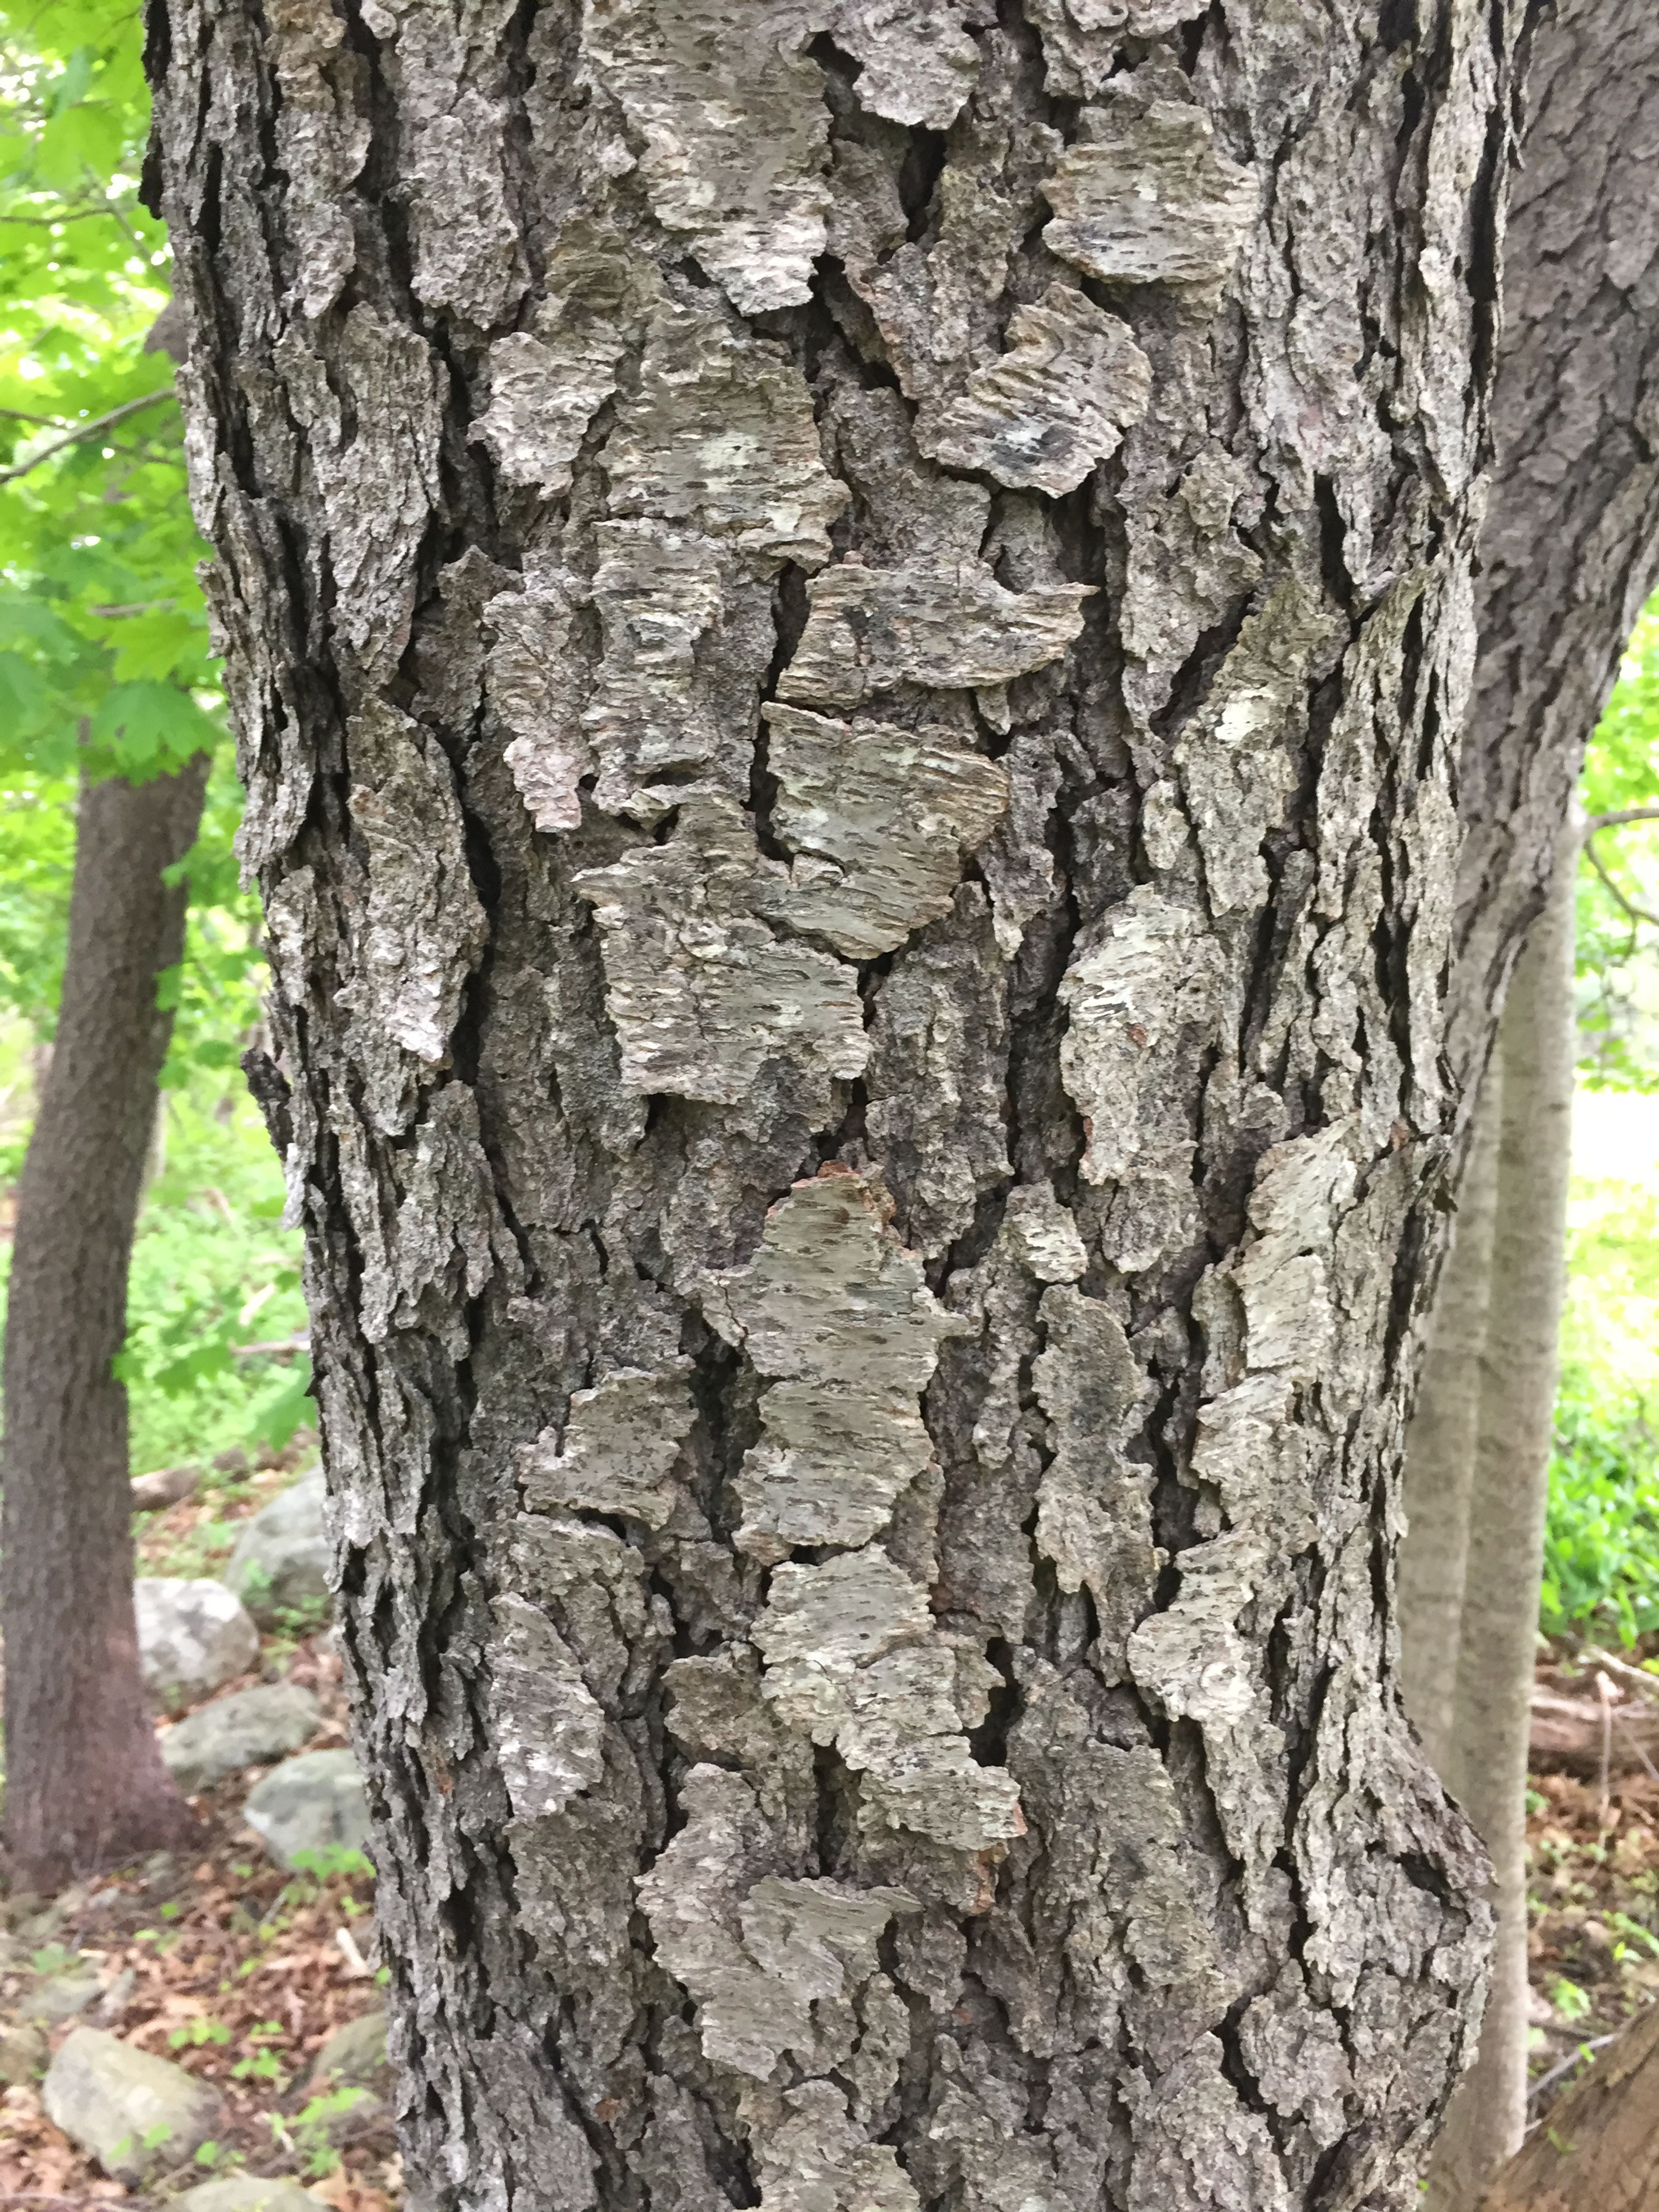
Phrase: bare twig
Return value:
(1619, 817)
(1636, 913)
(272, 1347)
(1575, 2057)
(1635, 1745)
(1638, 1677)
(82, 431)
(67, 215)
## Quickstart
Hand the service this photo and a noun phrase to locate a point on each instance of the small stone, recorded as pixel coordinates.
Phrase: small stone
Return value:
(250, 1728)
(193, 1636)
(118, 1996)
(22, 2053)
(282, 1559)
(245, 2192)
(353, 2057)
(135, 2113)
(62, 1996)
(311, 1803)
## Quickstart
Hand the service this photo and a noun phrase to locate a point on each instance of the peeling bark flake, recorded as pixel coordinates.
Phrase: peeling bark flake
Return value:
(882, 818)
(950, 627)
(1058, 401)
(547, 383)
(720, 433)
(735, 131)
(617, 1451)
(1144, 197)
(702, 994)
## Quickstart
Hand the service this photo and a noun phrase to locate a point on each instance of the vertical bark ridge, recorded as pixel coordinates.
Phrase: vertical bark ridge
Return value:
(846, 635)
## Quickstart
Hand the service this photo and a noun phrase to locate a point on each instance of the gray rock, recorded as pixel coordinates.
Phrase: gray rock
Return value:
(250, 1728)
(135, 2113)
(354, 2057)
(62, 1996)
(193, 1636)
(308, 1804)
(22, 2053)
(282, 1558)
(245, 2192)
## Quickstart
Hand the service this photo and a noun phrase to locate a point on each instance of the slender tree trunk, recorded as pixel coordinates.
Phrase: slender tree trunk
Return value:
(1440, 1444)
(847, 629)
(1484, 1764)
(85, 1784)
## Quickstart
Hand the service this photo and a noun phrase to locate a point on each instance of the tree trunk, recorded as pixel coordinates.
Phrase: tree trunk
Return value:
(85, 1785)
(1599, 2150)
(847, 634)
(1440, 1443)
(1570, 552)
(1485, 1763)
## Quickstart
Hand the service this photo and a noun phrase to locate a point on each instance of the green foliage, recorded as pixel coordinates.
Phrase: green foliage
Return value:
(104, 652)
(212, 1271)
(1601, 1541)
(1618, 974)
(196, 2033)
(105, 668)
(317, 2123)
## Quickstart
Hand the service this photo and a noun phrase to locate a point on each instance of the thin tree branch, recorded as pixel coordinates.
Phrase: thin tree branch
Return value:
(1619, 815)
(52, 222)
(82, 431)
(1636, 913)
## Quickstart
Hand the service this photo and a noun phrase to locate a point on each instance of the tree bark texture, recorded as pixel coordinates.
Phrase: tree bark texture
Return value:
(1599, 2150)
(848, 627)
(1485, 1766)
(1440, 1443)
(85, 1784)
(1570, 553)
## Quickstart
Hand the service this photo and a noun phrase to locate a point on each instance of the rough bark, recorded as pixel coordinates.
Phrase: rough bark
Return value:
(1440, 1443)
(847, 634)
(1599, 2150)
(1484, 1764)
(1570, 553)
(85, 1785)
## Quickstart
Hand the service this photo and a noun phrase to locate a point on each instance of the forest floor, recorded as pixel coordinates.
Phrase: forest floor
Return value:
(238, 1972)
(213, 1959)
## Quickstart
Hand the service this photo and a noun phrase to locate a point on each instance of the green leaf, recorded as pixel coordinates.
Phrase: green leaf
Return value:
(152, 646)
(151, 728)
(80, 142)
(27, 621)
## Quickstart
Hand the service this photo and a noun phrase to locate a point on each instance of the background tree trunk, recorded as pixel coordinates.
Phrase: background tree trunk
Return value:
(1486, 1762)
(847, 645)
(1570, 550)
(1599, 2151)
(85, 1784)
(1440, 1444)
